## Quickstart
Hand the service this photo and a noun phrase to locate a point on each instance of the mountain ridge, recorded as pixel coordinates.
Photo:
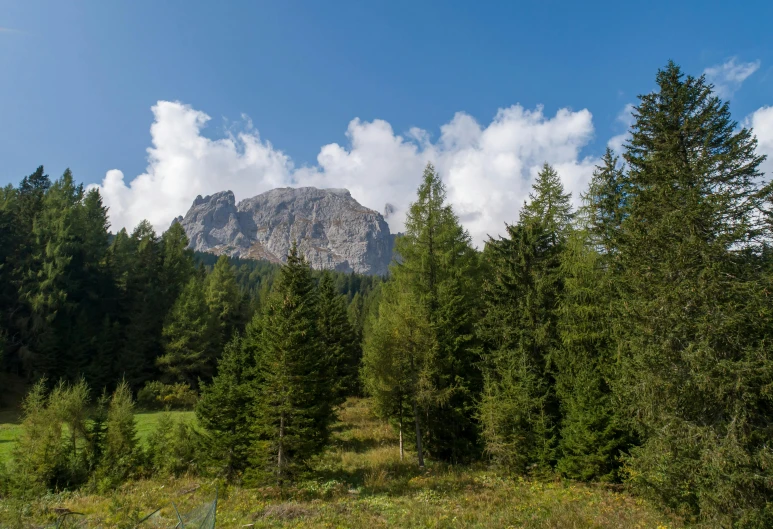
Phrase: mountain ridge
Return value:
(332, 229)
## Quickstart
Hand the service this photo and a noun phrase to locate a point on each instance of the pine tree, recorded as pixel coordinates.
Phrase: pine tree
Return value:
(292, 396)
(694, 312)
(339, 340)
(224, 301)
(399, 361)
(604, 203)
(188, 338)
(226, 404)
(225, 408)
(177, 263)
(144, 314)
(120, 450)
(519, 408)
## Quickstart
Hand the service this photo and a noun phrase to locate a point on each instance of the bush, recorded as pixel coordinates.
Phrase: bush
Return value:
(173, 447)
(159, 396)
(44, 457)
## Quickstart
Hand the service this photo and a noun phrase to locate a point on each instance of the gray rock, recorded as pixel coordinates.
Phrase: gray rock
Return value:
(333, 231)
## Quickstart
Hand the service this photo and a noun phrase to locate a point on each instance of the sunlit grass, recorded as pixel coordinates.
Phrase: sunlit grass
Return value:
(361, 482)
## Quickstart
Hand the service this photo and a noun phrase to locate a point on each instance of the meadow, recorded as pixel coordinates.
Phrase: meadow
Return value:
(359, 481)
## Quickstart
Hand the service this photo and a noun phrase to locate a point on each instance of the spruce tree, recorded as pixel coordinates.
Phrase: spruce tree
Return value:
(224, 301)
(188, 338)
(694, 313)
(339, 340)
(225, 408)
(519, 409)
(292, 395)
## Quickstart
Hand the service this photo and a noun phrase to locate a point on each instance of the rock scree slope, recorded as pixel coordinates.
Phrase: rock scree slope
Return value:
(332, 229)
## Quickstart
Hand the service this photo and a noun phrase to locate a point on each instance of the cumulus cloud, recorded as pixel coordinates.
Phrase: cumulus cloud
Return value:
(761, 122)
(488, 169)
(728, 77)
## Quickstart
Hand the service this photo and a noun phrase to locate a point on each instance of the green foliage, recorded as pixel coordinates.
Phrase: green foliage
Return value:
(519, 407)
(339, 341)
(694, 313)
(174, 447)
(293, 405)
(156, 395)
(190, 340)
(225, 409)
(121, 452)
(39, 450)
(438, 268)
(593, 435)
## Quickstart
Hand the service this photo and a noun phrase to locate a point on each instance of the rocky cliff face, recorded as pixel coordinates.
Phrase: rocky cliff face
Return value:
(332, 229)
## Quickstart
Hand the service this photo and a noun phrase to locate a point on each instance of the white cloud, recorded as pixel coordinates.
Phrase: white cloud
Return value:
(761, 121)
(728, 77)
(488, 169)
(626, 118)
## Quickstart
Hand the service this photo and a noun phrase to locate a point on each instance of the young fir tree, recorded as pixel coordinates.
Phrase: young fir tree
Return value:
(695, 316)
(292, 393)
(177, 264)
(188, 338)
(225, 408)
(593, 433)
(120, 450)
(339, 340)
(519, 409)
(604, 204)
(438, 266)
(225, 303)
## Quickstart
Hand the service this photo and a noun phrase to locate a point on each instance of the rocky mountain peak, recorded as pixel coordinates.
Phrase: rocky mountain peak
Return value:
(332, 229)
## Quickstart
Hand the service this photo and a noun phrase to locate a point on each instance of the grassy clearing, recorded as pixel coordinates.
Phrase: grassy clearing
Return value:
(10, 427)
(361, 482)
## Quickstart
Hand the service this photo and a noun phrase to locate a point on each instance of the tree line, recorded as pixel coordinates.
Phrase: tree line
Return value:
(625, 341)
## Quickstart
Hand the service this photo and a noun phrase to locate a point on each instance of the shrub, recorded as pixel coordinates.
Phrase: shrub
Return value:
(173, 447)
(156, 395)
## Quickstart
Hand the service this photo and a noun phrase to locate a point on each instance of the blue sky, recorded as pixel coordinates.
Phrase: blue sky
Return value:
(78, 81)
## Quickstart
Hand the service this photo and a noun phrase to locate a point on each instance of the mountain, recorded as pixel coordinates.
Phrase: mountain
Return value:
(333, 230)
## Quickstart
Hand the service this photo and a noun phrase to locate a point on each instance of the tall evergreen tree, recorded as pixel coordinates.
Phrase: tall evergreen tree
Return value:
(188, 338)
(292, 394)
(438, 266)
(224, 301)
(593, 433)
(519, 408)
(225, 408)
(339, 340)
(694, 313)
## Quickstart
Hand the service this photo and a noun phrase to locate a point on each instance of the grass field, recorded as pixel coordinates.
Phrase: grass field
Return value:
(10, 428)
(359, 482)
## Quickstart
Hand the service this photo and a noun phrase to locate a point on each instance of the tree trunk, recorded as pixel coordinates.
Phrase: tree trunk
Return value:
(419, 450)
(402, 451)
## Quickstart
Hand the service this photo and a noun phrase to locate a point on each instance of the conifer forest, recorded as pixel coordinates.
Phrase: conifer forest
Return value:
(624, 347)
